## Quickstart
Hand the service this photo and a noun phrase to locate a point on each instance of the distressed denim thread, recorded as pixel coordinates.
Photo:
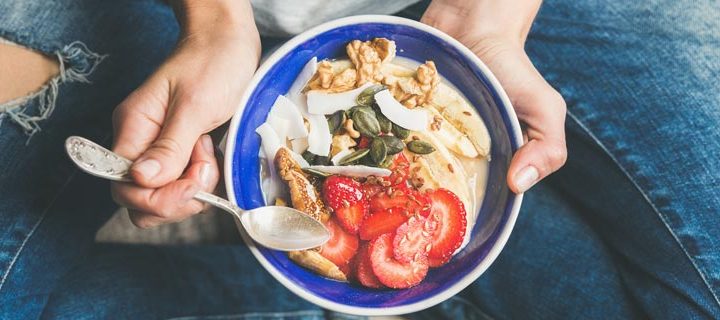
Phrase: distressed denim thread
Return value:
(76, 63)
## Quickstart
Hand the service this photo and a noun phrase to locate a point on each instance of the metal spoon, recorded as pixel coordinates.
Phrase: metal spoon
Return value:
(279, 228)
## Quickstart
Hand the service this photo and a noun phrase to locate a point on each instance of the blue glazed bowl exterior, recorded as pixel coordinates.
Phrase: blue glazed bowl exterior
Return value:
(456, 63)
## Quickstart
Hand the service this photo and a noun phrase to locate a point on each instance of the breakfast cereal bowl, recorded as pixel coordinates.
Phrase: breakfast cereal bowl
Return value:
(496, 211)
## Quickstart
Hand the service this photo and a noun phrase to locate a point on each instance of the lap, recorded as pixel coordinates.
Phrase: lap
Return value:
(50, 212)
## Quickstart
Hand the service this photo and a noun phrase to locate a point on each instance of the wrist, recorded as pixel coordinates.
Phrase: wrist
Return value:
(475, 22)
(214, 19)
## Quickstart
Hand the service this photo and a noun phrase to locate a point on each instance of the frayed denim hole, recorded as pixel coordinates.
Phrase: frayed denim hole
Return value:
(76, 62)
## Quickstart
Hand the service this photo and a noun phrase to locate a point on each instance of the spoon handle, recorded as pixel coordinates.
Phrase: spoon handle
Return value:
(100, 162)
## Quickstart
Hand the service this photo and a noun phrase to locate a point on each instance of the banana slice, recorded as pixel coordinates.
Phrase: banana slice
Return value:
(449, 135)
(461, 114)
(312, 260)
(440, 169)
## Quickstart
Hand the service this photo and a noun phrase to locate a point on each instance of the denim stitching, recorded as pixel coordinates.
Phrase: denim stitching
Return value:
(32, 231)
(652, 205)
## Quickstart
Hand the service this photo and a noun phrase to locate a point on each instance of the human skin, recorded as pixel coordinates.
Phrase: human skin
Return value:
(163, 124)
(495, 30)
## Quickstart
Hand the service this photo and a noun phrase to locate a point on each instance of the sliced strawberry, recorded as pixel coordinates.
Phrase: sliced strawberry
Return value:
(364, 142)
(412, 238)
(402, 196)
(438, 262)
(352, 216)
(347, 269)
(371, 189)
(340, 191)
(364, 272)
(400, 168)
(381, 222)
(342, 245)
(393, 273)
(449, 214)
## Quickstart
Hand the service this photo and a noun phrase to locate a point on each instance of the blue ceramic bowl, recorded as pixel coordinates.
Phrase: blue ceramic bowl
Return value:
(458, 65)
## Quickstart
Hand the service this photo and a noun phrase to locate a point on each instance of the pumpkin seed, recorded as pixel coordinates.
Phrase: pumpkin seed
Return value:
(378, 151)
(355, 156)
(365, 123)
(420, 147)
(316, 172)
(321, 161)
(385, 123)
(355, 109)
(308, 156)
(387, 163)
(336, 120)
(394, 145)
(367, 96)
(400, 132)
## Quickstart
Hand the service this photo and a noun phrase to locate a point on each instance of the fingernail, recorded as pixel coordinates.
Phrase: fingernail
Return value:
(205, 175)
(207, 144)
(148, 168)
(526, 178)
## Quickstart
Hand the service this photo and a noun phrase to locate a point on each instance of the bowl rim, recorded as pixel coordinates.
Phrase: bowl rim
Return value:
(231, 137)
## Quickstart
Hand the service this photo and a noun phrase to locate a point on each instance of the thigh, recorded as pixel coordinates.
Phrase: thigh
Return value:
(49, 211)
(145, 282)
(640, 79)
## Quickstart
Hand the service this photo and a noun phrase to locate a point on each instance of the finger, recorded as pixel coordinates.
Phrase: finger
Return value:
(173, 202)
(545, 151)
(169, 154)
(137, 120)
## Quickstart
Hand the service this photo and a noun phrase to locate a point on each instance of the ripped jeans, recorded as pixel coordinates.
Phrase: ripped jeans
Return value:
(629, 228)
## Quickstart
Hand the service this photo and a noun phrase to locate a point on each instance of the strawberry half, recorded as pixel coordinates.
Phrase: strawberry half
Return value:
(371, 189)
(364, 272)
(340, 191)
(402, 196)
(381, 222)
(412, 239)
(352, 216)
(393, 273)
(346, 198)
(449, 214)
(400, 168)
(342, 245)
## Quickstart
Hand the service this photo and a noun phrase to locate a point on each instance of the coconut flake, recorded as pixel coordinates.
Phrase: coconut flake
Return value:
(356, 171)
(319, 139)
(307, 72)
(283, 109)
(336, 159)
(299, 145)
(411, 119)
(320, 102)
(270, 141)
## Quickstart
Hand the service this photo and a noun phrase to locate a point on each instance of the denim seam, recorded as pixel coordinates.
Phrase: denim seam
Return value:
(32, 231)
(652, 205)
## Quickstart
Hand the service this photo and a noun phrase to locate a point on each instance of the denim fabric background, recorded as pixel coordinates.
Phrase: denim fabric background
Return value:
(629, 228)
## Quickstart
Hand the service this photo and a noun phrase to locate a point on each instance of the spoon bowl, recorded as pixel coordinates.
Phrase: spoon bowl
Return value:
(279, 228)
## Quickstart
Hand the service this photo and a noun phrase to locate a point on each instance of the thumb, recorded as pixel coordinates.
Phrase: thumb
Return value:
(168, 155)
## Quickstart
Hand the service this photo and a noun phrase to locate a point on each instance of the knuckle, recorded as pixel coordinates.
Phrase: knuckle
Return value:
(167, 146)
(557, 156)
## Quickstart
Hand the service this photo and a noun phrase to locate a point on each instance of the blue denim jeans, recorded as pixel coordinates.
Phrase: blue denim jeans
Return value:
(629, 228)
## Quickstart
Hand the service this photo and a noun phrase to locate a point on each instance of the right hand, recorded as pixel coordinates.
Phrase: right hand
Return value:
(162, 125)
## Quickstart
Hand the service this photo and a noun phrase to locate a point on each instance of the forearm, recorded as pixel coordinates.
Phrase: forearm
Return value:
(472, 21)
(206, 20)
